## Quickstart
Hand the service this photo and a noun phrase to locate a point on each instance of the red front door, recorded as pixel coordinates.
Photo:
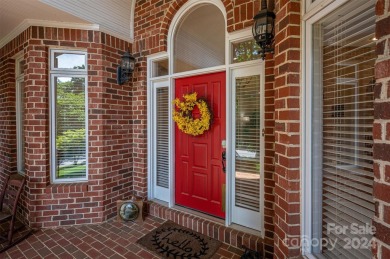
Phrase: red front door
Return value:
(199, 177)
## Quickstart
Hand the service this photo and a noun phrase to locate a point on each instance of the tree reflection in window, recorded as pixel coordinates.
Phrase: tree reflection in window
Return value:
(245, 51)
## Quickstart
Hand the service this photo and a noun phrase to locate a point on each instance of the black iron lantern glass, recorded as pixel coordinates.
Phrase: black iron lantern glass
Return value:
(125, 68)
(263, 29)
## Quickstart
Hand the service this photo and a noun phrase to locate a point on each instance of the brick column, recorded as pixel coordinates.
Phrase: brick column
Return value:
(269, 156)
(287, 127)
(7, 115)
(37, 134)
(381, 220)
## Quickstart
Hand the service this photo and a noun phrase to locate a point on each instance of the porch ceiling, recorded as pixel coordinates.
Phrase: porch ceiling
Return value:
(111, 16)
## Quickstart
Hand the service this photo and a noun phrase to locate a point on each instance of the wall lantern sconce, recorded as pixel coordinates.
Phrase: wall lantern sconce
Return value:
(263, 29)
(125, 68)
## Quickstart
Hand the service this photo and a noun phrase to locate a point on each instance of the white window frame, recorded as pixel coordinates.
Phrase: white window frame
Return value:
(169, 81)
(250, 219)
(313, 15)
(19, 80)
(311, 9)
(158, 191)
(55, 72)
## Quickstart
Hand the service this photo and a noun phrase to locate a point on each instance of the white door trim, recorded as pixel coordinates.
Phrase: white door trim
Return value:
(239, 215)
(170, 81)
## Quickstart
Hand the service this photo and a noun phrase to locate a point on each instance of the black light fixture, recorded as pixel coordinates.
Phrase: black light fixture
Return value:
(125, 68)
(263, 29)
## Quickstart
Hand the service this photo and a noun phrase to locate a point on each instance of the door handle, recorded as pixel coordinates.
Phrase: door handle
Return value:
(223, 161)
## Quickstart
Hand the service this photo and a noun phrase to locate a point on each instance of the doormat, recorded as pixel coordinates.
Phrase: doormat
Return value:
(173, 241)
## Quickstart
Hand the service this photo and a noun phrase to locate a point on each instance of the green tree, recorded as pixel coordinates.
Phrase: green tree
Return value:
(70, 108)
(71, 145)
(70, 119)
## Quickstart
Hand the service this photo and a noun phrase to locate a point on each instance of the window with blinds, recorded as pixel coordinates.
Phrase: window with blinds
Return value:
(162, 137)
(70, 127)
(343, 164)
(68, 102)
(247, 165)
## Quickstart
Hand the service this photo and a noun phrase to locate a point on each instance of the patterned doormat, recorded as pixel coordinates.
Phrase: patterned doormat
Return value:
(173, 241)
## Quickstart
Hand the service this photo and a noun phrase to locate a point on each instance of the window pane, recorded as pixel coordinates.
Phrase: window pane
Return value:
(344, 60)
(162, 137)
(245, 51)
(160, 68)
(20, 126)
(69, 60)
(200, 40)
(20, 67)
(247, 182)
(70, 127)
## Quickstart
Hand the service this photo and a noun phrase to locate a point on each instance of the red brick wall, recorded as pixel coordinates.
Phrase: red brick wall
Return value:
(110, 131)
(382, 132)
(152, 21)
(7, 105)
(287, 123)
(269, 156)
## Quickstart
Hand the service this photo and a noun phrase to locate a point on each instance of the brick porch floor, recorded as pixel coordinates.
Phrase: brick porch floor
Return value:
(107, 240)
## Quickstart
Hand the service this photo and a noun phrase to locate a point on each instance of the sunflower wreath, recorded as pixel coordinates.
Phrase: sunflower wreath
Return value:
(183, 115)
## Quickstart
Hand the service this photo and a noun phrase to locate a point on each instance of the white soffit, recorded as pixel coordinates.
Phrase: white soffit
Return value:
(113, 16)
(18, 15)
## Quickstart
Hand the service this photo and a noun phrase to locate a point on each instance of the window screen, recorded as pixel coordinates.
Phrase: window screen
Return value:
(247, 171)
(343, 163)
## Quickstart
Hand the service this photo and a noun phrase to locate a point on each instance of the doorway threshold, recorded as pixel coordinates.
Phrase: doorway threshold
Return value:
(235, 236)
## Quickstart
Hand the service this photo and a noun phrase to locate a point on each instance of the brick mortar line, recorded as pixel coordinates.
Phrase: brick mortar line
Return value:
(385, 163)
(286, 51)
(384, 16)
(286, 121)
(383, 79)
(380, 180)
(381, 173)
(287, 85)
(380, 121)
(288, 145)
(293, 181)
(382, 244)
(383, 202)
(382, 58)
(377, 141)
(382, 222)
(287, 109)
